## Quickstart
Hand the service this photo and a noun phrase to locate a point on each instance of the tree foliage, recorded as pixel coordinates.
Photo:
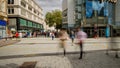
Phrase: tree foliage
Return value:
(54, 18)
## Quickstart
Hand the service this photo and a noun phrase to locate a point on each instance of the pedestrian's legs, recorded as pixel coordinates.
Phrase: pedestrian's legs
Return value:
(52, 37)
(63, 44)
(72, 40)
(64, 51)
(81, 50)
(116, 55)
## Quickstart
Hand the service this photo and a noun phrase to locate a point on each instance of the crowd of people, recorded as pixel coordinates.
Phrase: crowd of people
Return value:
(63, 35)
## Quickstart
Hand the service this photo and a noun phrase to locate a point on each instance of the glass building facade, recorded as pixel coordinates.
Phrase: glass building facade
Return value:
(93, 13)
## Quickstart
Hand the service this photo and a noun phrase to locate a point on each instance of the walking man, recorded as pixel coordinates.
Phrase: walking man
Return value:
(81, 36)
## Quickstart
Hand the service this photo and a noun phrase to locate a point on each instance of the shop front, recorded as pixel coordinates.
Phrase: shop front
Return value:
(2, 28)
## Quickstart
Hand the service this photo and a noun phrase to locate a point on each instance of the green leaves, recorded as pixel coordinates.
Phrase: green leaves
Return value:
(49, 19)
(54, 18)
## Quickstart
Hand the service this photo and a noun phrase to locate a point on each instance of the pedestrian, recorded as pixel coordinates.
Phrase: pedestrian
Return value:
(113, 46)
(72, 36)
(96, 31)
(34, 34)
(17, 35)
(20, 34)
(81, 36)
(63, 36)
(52, 35)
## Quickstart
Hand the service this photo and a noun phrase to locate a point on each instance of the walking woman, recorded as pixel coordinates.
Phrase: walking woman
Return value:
(63, 36)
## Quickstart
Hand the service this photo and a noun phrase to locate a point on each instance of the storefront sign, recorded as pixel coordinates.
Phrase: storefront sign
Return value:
(3, 23)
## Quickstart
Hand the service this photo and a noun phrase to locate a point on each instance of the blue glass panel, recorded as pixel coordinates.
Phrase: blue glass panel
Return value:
(89, 9)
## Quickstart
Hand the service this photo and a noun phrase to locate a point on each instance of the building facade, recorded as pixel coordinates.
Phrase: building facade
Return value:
(96, 18)
(3, 18)
(93, 15)
(100, 16)
(117, 17)
(25, 15)
(68, 14)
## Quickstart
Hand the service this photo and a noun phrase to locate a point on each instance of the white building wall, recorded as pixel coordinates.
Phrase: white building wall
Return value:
(3, 7)
(69, 6)
(71, 11)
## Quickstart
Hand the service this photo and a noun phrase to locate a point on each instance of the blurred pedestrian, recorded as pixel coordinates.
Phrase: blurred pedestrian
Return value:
(63, 36)
(52, 35)
(96, 31)
(81, 36)
(113, 46)
(72, 36)
(34, 34)
(20, 34)
(17, 35)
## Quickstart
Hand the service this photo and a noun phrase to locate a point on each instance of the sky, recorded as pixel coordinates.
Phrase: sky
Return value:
(49, 5)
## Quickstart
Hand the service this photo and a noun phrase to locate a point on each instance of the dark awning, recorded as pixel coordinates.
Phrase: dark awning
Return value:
(3, 23)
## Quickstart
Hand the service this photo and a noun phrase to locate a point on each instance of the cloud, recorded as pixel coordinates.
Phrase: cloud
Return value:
(49, 5)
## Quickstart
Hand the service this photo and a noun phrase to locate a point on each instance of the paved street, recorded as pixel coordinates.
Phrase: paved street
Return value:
(46, 45)
(4, 42)
(48, 54)
(90, 60)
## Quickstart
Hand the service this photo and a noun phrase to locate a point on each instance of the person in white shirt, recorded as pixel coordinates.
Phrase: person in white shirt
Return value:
(20, 34)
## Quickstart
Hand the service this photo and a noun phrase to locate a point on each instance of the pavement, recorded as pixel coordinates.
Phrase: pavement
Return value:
(4, 42)
(45, 46)
(48, 54)
(90, 60)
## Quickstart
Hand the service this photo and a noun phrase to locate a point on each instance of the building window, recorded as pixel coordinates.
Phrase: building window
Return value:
(38, 13)
(29, 15)
(10, 1)
(23, 4)
(34, 11)
(30, 8)
(10, 10)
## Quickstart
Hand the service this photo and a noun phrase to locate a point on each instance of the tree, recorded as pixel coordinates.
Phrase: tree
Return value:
(54, 18)
(49, 19)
